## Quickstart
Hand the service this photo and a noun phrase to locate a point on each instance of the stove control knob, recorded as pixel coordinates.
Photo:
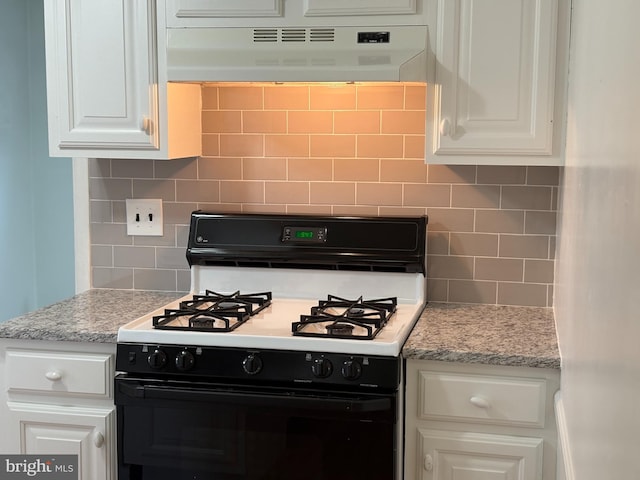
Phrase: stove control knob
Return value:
(157, 359)
(321, 367)
(351, 369)
(185, 361)
(252, 364)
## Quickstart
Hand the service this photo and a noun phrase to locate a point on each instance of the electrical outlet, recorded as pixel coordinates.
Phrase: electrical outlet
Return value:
(144, 217)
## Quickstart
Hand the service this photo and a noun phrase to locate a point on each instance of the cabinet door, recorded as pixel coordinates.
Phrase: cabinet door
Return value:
(101, 75)
(177, 9)
(321, 8)
(86, 432)
(495, 74)
(474, 456)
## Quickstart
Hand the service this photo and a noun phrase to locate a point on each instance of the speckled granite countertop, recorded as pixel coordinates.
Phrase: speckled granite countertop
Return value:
(92, 316)
(488, 334)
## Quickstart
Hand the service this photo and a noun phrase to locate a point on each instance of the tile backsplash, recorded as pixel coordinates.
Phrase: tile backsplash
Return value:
(353, 150)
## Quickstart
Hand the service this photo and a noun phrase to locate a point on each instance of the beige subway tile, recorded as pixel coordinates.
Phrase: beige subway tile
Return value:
(333, 145)
(543, 176)
(264, 169)
(210, 145)
(355, 211)
(241, 192)
(124, 256)
(310, 122)
(401, 211)
(452, 174)
(110, 188)
(509, 175)
(524, 246)
(415, 97)
(421, 195)
(244, 145)
(399, 170)
(210, 98)
(526, 198)
(438, 243)
(332, 97)
(403, 121)
(286, 97)
(357, 122)
(522, 294)
(286, 192)
(163, 189)
(316, 169)
(501, 269)
(112, 278)
(257, 121)
(538, 271)
(198, 191)
(356, 169)
(475, 196)
(554, 198)
(182, 232)
(286, 145)
(184, 280)
(178, 213)
(109, 234)
(119, 209)
(212, 207)
(309, 209)
(381, 146)
(178, 168)
(437, 290)
(449, 266)
(154, 279)
(380, 96)
(263, 208)
(330, 193)
(221, 121)
(132, 168)
(378, 194)
(224, 168)
(100, 211)
(102, 256)
(499, 221)
(99, 167)
(552, 246)
(540, 222)
(248, 97)
(450, 219)
(414, 146)
(472, 291)
(550, 296)
(474, 244)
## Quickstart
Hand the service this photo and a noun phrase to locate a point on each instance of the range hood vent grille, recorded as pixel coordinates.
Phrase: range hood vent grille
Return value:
(274, 35)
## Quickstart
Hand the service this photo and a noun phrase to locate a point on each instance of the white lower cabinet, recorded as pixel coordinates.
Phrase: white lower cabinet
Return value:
(476, 422)
(57, 398)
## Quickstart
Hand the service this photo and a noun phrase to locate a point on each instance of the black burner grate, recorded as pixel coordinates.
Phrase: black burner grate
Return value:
(213, 312)
(350, 319)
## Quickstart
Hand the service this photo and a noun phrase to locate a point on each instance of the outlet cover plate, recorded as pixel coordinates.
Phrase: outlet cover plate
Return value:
(144, 217)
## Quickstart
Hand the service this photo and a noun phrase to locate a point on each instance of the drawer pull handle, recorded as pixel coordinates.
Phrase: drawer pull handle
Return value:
(98, 439)
(479, 402)
(445, 127)
(53, 375)
(428, 463)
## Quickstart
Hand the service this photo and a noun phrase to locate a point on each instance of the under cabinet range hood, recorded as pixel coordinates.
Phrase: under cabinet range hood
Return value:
(305, 54)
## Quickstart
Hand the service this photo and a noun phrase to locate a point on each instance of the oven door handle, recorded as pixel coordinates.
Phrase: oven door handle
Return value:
(334, 404)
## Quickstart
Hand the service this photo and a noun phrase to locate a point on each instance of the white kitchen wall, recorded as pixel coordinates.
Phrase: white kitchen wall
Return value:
(597, 294)
(36, 203)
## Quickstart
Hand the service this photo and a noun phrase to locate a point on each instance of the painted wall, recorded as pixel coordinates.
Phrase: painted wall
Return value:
(36, 202)
(598, 274)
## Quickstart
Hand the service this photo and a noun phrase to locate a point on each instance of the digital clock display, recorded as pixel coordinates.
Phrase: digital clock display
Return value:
(304, 234)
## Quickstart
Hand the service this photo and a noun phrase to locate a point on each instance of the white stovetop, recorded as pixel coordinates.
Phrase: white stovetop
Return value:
(294, 293)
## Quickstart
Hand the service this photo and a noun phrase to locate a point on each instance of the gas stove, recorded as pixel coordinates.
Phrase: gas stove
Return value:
(302, 283)
(288, 344)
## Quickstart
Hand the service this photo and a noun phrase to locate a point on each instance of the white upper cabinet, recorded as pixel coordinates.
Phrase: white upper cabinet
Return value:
(179, 11)
(500, 74)
(104, 95)
(323, 8)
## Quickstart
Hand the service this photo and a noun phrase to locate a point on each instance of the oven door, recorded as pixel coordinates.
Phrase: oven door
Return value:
(189, 430)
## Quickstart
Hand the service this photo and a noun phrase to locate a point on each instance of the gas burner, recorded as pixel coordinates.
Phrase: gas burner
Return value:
(213, 312)
(341, 318)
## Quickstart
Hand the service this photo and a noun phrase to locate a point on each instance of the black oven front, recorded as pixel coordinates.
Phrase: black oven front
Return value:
(179, 430)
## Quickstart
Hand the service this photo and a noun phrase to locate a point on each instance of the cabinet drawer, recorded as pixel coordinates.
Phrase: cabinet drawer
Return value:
(481, 399)
(85, 374)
